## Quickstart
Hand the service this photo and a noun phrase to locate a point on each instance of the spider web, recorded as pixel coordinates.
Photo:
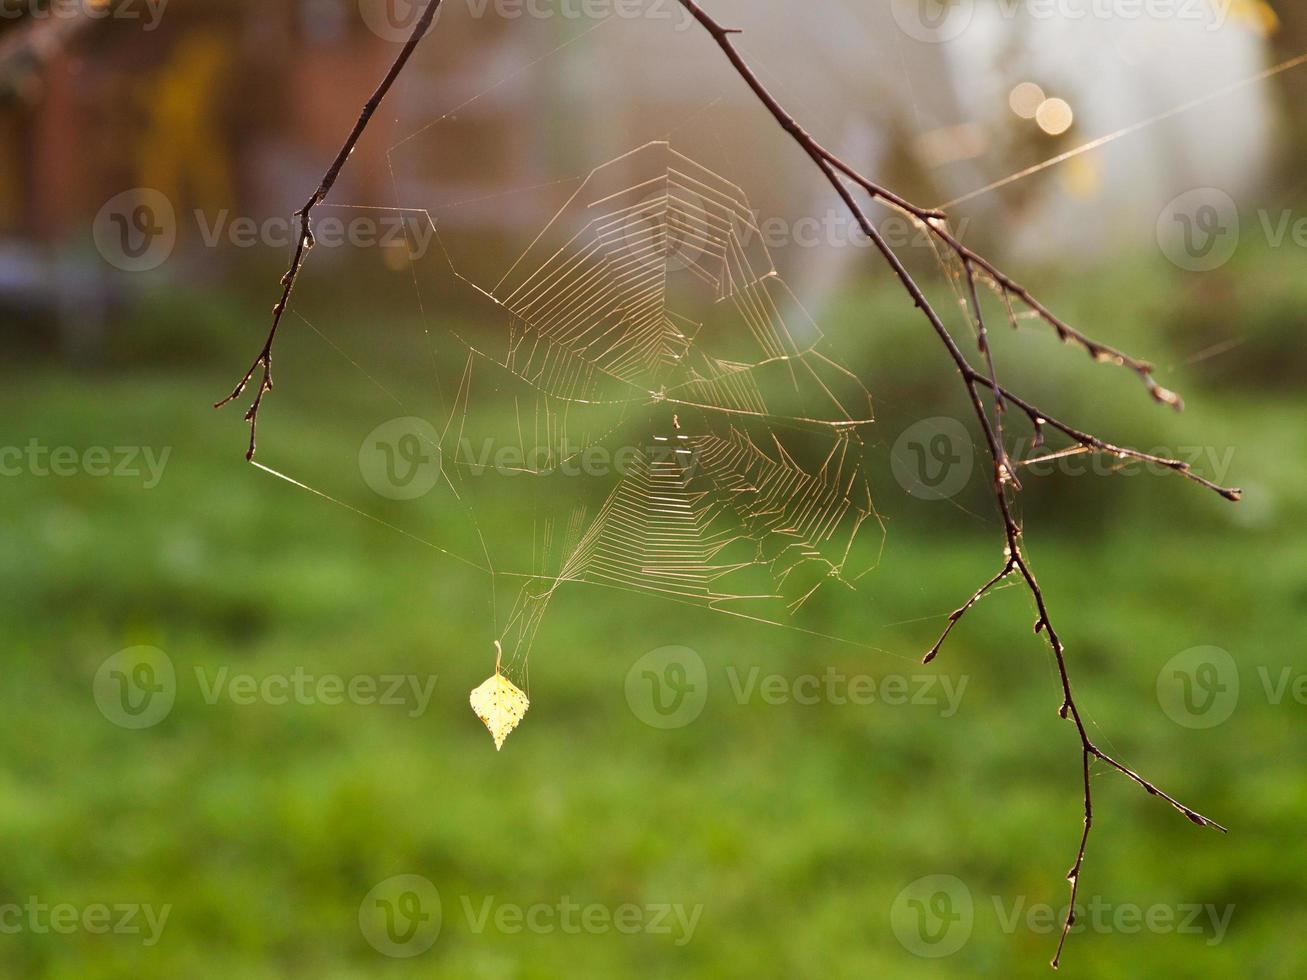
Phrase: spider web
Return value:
(646, 322)
(647, 312)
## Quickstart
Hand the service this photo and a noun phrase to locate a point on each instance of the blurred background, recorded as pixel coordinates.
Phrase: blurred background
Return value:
(237, 739)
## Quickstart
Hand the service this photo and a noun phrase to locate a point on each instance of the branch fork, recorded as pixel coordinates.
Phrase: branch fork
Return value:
(975, 269)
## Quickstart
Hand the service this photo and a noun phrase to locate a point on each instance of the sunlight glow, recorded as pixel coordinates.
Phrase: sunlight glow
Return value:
(1054, 116)
(1025, 99)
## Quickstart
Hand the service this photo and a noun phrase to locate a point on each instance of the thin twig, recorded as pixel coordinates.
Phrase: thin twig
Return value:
(963, 609)
(936, 224)
(1040, 418)
(1005, 470)
(305, 216)
(837, 171)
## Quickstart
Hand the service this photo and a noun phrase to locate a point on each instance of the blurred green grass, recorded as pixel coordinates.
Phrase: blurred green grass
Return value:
(795, 827)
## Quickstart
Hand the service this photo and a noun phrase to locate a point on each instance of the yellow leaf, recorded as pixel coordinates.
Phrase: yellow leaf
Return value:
(500, 706)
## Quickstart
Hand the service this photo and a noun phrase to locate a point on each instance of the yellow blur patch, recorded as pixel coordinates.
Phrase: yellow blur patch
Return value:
(1082, 177)
(1257, 14)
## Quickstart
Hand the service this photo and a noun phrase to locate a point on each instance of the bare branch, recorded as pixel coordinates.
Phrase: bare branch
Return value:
(837, 172)
(1005, 470)
(963, 609)
(936, 223)
(1040, 418)
(305, 216)
(841, 175)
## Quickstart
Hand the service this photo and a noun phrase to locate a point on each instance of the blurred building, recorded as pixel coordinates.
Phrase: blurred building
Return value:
(239, 104)
(188, 105)
(920, 93)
